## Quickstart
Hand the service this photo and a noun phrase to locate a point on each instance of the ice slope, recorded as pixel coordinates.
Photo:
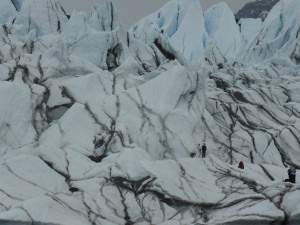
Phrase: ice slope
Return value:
(17, 126)
(249, 29)
(7, 11)
(279, 35)
(190, 31)
(45, 17)
(217, 35)
(129, 187)
(180, 22)
(222, 30)
(100, 127)
(17, 4)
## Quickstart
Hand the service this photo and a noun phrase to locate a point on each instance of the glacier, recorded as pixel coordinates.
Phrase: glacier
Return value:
(99, 125)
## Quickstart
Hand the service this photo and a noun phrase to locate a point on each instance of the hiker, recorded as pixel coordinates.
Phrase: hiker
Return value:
(241, 165)
(203, 150)
(289, 174)
(199, 149)
(292, 174)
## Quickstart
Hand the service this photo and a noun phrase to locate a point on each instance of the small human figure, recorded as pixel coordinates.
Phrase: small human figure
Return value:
(292, 174)
(241, 165)
(289, 174)
(199, 149)
(203, 150)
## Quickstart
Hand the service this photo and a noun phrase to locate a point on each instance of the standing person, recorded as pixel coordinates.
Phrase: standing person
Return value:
(204, 150)
(241, 165)
(199, 149)
(292, 174)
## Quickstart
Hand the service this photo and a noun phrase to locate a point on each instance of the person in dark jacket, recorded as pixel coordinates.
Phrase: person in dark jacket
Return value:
(292, 174)
(203, 150)
(289, 174)
(241, 165)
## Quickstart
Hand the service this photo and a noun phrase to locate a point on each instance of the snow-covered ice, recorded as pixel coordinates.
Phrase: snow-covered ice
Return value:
(100, 126)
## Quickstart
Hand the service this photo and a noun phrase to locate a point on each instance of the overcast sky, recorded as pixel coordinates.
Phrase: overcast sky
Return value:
(131, 11)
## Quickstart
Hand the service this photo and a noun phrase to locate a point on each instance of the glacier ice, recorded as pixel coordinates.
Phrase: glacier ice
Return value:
(100, 126)
(7, 11)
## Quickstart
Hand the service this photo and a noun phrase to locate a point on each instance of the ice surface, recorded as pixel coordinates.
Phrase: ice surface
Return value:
(222, 29)
(279, 33)
(100, 126)
(180, 22)
(44, 16)
(7, 11)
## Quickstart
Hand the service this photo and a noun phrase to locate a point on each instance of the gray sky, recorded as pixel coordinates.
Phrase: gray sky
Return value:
(132, 11)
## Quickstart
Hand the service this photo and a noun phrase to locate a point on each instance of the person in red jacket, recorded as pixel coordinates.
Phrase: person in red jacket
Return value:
(241, 165)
